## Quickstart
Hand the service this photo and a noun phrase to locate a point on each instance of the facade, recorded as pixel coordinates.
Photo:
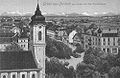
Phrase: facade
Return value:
(23, 43)
(110, 40)
(107, 40)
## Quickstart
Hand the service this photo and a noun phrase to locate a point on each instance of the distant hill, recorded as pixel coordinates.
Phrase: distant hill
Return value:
(106, 14)
(10, 14)
(74, 14)
(62, 14)
(27, 14)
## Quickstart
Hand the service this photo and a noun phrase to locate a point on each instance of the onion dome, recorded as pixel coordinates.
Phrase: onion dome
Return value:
(37, 17)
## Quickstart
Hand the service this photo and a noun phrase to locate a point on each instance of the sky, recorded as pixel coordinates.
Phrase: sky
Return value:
(61, 6)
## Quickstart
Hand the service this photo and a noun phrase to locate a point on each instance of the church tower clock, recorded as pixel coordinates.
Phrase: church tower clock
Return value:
(37, 39)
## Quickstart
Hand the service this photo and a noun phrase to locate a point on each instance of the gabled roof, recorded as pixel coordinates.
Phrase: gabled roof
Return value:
(17, 60)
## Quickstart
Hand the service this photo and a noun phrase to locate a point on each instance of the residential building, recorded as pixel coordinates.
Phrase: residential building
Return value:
(23, 41)
(6, 39)
(107, 39)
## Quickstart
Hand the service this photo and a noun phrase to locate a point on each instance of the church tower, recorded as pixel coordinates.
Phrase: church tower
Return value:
(37, 39)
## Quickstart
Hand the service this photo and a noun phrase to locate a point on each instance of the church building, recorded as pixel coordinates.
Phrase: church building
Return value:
(31, 63)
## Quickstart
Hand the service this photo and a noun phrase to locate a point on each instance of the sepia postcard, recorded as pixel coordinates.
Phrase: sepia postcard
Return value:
(59, 38)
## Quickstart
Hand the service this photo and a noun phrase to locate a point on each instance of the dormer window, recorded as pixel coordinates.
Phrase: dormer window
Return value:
(33, 75)
(23, 76)
(40, 35)
(13, 76)
(4, 76)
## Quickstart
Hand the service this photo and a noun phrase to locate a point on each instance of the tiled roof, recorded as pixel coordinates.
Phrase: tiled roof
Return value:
(23, 35)
(110, 35)
(6, 40)
(7, 37)
(17, 60)
(7, 34)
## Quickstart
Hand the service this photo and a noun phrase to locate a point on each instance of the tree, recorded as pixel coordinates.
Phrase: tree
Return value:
(79, 48)
(85, 70)
(114, 72)
(54, 66)
(57, 49)
(93, 57)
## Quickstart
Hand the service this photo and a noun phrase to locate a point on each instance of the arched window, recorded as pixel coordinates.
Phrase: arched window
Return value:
(40, 35)
(23, 76)
(4, 76)
(33, 75)
(13, 76)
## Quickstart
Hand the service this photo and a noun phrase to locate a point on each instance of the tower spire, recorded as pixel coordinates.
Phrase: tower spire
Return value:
(38, 8)
(37, 1)
(37, 17)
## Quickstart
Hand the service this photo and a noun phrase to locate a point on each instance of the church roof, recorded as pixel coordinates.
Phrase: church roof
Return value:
(17, 60)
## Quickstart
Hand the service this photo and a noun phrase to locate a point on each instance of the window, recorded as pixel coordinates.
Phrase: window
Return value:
(114, 41)
(93, 42)
(33, 75)
(117, 29)
(108, 50)
(23, 76)
(114, 50)
(21, 45)
(4, 76)
(104, 49)
(24, 45)
(118, 41)
(39, 35)
(13, 76)
(86, 46)
(103, 41)
(108, 41)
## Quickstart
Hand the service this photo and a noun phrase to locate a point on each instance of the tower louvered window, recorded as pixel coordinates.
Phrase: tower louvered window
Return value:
(40, 35)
